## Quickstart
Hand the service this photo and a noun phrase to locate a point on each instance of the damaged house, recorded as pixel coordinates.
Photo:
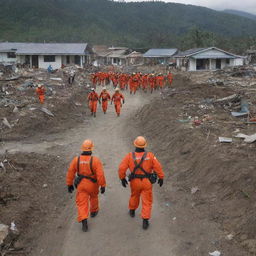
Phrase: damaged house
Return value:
(207, 59)
(160, 56)
(41, 55)
(104, 55)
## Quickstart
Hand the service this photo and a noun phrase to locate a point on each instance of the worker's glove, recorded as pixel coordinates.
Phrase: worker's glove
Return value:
(160, 182)
(124, 182)
(102, 190)
(123, 101)
(70, 189)
(99, 102)
(111, 102)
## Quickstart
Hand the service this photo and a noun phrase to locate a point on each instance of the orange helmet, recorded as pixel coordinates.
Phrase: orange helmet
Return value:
(140, 142)
(87, 145)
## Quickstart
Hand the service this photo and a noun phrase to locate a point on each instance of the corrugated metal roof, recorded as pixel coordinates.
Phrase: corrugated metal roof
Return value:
(213, 54)
(45, 48)
(158, 53)
(188, 52)
(207, 53)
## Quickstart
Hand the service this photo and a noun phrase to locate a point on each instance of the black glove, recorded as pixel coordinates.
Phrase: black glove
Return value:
(99, 102)
(124, 182)
(123, 101)
(111, 102)
(160, 182)
(70, 189)
(102, 190)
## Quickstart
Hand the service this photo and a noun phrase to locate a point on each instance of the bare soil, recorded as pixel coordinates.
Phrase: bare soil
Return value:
(224, 174)
(39, 148)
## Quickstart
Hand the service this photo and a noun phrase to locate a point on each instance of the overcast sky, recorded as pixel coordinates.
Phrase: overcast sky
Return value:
(242, 5)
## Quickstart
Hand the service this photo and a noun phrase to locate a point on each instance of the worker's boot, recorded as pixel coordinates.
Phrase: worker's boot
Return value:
(132, 213)
(94, 114)
(145, 224)
(91, 113)
(118, 115)
(94, 214)
(84, 225)
(104, 112)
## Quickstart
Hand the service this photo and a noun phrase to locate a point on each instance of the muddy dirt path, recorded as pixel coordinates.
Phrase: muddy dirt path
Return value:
(113, 232)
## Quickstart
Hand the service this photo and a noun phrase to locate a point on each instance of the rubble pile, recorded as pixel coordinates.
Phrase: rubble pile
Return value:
(243, 76)
(19, 105)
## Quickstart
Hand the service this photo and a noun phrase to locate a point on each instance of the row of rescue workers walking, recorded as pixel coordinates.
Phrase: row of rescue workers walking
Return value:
(103, 99)
(132, 81)
(87, 175)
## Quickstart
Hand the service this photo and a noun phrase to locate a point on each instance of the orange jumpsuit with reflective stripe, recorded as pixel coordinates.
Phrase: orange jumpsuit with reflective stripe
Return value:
(87, 191)
(105, 97)
(93, 98)
(141, 187)
(117, 98)
(41, 94)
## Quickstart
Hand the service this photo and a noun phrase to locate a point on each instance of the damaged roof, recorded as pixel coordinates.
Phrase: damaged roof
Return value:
(45, 48)
(156, 53)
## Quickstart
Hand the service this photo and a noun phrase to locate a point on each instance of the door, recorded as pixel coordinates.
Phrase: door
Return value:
(78, 60)
(218, 64)
(27, 60)
(35, 61)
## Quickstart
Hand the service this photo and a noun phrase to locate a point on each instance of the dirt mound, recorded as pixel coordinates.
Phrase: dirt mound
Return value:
(212, 185)
(29, 191)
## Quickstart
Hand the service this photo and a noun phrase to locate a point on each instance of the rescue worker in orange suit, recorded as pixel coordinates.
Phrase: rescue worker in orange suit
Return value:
(144, 82)
(87, 174)
(93, 99)
(40, 91)
(145, 168)
(152, 82)
(160, 81)
(170, 78)
(104, 98)
(117, 98)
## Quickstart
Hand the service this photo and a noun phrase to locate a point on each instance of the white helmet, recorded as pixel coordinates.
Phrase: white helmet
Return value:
(104, 88)
(92, 89)
(39, 85)
(117, 89)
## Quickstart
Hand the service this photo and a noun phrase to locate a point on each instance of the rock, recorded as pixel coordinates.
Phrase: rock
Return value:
(215, 253)
(15, 110)
(230, 237)
(194, 190)
(4, 231)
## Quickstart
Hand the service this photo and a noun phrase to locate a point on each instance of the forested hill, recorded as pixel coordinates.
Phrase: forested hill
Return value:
(241, 13)
(138, 24)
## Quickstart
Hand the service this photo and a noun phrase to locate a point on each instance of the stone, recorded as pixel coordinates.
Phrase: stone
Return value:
(4, 231)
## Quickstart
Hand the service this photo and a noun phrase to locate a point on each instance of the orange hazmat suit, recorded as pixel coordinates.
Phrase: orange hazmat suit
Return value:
(87, 191)
(141, 187)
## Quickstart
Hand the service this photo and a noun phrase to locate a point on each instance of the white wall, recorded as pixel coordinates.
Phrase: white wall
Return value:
(4, 59)
(238, 62)
(45, 65)
(192, 64)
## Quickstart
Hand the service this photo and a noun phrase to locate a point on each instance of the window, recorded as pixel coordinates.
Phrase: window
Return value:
(11, 55)
(49, 58)
(227, 61)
